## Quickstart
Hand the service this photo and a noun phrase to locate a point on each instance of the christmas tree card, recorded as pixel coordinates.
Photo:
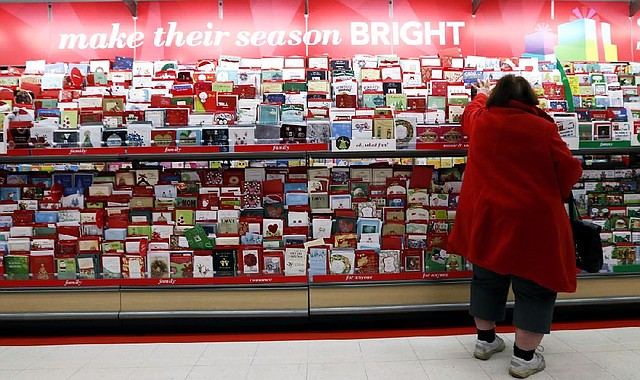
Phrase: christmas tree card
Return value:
(42, 265)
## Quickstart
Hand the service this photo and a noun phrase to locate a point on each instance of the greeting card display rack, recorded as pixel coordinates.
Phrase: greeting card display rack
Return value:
(277, 295)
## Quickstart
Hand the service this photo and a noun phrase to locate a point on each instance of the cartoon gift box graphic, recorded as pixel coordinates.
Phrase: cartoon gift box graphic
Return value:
(540, 43)
(585, 38)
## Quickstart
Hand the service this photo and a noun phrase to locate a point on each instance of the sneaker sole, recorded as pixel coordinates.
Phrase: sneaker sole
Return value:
(487, 355)
(527, 374)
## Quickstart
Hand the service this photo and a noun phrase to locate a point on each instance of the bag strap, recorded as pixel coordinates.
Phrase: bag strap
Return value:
(573, 208)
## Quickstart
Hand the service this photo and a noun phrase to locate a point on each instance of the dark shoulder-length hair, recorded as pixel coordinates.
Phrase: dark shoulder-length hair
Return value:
(511, 87)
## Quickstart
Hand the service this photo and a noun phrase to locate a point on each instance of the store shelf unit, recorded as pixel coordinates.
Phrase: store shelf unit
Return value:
(154, 298)
(377, 297)
(264, 297)
(294, 298)
(270, 296)
(271, 152)
(33, 300)
(132, 154)
(358, 294)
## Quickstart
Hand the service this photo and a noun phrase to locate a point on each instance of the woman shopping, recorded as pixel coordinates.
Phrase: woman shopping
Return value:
(511, 223)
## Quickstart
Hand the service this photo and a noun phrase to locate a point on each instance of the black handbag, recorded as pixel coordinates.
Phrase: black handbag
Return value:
(586, 236)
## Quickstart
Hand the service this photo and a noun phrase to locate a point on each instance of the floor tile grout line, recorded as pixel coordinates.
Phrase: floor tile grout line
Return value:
(204, 347)
(463, 345)
(191, 371)
(366, 374)
(424, 369)
(306, 372)
(598, 364)
(253, 357)
(78, 370)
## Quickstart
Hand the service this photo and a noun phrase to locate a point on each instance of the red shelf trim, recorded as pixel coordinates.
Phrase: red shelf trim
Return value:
(281, 148)
(58, 283)
(172, 149)
(391, 276)
(442, 146)
(17, 152)
(76, 151)
(244, 280)
(238, 280)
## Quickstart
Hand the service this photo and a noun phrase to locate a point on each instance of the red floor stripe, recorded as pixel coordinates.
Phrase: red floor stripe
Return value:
(284, 336)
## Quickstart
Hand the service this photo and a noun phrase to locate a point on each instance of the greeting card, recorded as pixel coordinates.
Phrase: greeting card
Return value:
(139, 134)
(189, 136)
(159, 264)
(342, 261)
(389, 261)
(318, 131)
(318, 261)
(366, 261)
(272, 228)
(203, 266)
(321, 228)
(269, 114)
(273, 262)
(133, 267)
(295, 261)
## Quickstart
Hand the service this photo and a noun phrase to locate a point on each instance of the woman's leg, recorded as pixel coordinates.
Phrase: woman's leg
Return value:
(488, 300)
(489, 292)
(532, 316)
(533, 311)
(527, 340)
(483, 324)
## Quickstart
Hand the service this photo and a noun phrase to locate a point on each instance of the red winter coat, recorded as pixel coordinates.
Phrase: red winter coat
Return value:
(511, 217)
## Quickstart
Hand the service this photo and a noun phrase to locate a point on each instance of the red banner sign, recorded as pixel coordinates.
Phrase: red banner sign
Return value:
(188, 31)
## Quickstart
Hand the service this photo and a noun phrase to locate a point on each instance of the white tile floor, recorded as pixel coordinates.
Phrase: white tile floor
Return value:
(582, 354)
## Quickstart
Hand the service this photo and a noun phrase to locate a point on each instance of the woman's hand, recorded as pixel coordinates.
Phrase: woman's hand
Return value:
(482, 87)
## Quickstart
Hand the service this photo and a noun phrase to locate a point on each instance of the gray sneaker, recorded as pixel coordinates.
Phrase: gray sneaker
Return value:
(522, 368)
(484, 350)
